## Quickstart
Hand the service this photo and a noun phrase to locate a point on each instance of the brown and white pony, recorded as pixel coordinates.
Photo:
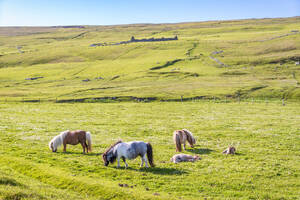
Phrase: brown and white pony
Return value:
(73, 138)
(181, 136)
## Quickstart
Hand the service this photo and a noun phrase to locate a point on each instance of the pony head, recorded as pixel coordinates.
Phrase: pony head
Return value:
(51, 146)
(57, 141)
(104, 157)
(110, 156)
(190, 138)
(197, 158)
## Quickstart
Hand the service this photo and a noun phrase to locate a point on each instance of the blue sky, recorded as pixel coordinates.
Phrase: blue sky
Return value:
(108, 12)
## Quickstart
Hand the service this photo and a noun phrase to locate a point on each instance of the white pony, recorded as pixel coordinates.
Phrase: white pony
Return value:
(128, 150)
(184, 158)
(73, 138)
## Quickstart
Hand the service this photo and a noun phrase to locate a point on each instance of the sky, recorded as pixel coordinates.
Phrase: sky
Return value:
(111, 12)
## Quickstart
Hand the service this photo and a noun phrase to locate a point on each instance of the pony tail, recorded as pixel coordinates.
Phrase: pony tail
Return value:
(177, 141)
(150, 154)
(89, 139)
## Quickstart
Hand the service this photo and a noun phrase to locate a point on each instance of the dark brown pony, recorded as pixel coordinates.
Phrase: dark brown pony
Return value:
(73, 138)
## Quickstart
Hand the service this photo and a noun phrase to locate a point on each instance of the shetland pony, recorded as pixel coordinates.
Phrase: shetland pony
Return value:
(128, 150)
(184, 158)
(229, 150)
(73, 138)
(181, 136)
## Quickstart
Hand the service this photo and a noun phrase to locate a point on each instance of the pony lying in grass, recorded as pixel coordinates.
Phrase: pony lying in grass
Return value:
(128, 150)
(229, 150)
(181, 136)
(73, 138)
(184, 158)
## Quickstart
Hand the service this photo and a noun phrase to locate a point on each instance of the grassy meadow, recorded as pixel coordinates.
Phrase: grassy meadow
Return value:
(265, 167)
(231, 75)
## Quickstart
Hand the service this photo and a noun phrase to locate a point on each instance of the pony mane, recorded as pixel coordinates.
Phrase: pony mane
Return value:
(189, 136)
(58, 140)
(104, 155)
(63, 134)
(112, 146)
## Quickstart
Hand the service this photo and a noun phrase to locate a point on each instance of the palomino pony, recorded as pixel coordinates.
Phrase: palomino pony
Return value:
(181, 136)
(128, 150)
(73, 138)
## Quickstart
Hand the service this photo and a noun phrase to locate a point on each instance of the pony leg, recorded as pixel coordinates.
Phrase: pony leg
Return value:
(83, 147)
(126, 165)
(65, 147)
(87, 147)
(145, 159)
(142, 161)
(118, 163)
(184, 145)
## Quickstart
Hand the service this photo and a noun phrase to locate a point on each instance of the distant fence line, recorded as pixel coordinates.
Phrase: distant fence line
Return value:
(147, 99)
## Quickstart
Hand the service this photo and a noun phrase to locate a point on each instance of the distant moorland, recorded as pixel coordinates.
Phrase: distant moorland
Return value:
(217, 59)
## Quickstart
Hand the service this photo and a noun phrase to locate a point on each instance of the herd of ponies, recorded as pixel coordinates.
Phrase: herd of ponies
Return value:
(129, 150)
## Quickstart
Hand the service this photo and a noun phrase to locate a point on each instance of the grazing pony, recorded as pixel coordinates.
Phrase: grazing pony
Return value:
(73, 138)
(184, 158)
(181, 136)
(128, 150)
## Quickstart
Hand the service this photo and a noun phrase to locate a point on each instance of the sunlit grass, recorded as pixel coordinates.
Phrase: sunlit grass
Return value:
(265, 134)
(64, 61)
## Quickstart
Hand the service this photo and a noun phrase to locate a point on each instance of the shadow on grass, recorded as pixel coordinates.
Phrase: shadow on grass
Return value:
(200, 151)
(8, 181)
(155, 170)
(163, 171)
(80, 153)
(239, 154)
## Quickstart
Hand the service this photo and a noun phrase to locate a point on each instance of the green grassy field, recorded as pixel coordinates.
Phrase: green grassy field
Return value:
(259, 61)
(231, 76)
(265, 167)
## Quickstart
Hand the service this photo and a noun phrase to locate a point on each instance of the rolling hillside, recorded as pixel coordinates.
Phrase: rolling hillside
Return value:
(246, 58)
